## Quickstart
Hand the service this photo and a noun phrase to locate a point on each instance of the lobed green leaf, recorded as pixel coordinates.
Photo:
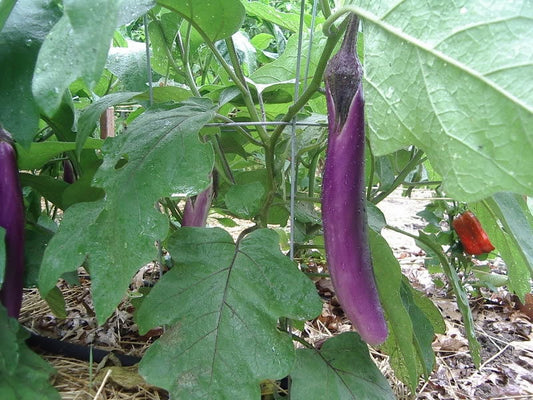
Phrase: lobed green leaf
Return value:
(400, 343)
(457, 86)
(217, 19)
(114, 237)
(19, 365)
(74, 49)
(222, 302)
(513, 242)
(21, 38)
(342, 370)
(39, 153)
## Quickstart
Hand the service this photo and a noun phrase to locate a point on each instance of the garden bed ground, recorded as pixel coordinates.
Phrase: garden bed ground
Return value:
(503, 330)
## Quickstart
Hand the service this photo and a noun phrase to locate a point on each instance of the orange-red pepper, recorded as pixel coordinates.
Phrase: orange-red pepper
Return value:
(472, 235)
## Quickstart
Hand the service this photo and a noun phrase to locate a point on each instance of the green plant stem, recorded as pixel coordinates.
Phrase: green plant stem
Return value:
(222, 61)
(240, 129)
(205, 69)
(422, 183)
(184, 50)
(245, 92)
(247, 95)
(109, 84)
(320, 144)
(313, 85)
(311, 246)
(223, 160)
(417, 159)
(171, 206)
(371, 172)
(291, 113)
(326, 10)
(306, 199)
(460, 294)
(300, 340)
(245, 232)
(238, 78)
(312, 173)
(168, 51)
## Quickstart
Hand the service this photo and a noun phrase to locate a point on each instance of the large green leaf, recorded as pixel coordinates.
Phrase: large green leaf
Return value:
(455, 80)
(50, 188)
(400, 342)
(514, 241)
(76, 47)
(39, 153)
(424, 332)
(19, 365)
(128, 64)
(91, 115)
(130, 10)
(162, 38)
(412, 323)
(430, 243)
(217, 19)
(290, 21)
(163, 155)
(20, 40)
(160, 155)
(511, 209)
(222, 302)
(342, 370)
(6, 6)
(283, 69)
(245, 200)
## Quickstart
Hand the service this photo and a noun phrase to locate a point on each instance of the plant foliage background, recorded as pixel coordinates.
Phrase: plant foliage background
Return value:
(449, 104)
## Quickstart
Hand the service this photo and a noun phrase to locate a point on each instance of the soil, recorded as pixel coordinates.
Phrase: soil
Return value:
(504, 332)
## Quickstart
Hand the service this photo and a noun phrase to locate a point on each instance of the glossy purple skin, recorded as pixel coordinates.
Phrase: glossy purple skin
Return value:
(195, 212)
(343, 203)
(68, 172)
(12, 220)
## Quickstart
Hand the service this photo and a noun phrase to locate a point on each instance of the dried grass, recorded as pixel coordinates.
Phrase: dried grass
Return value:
(507, 355)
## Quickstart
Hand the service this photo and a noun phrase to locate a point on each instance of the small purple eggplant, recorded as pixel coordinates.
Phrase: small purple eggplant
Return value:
(343, 194)
(69, 175)
(12, 220)
(196, 211)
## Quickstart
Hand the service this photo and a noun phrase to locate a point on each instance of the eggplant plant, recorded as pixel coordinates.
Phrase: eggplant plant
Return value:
(254, 95)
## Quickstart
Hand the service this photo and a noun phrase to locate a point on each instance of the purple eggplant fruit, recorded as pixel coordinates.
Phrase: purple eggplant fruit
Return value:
(196, 210)
(69, 175)
(12, 220)
(343, 194)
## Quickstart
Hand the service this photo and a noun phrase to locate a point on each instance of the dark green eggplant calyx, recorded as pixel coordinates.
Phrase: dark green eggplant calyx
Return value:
(344, 73)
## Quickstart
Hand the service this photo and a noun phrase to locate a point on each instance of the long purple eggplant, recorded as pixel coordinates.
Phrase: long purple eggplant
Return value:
(343, 194)
(12, 220)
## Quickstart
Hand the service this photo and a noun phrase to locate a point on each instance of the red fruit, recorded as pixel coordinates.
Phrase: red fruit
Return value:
(472, 235)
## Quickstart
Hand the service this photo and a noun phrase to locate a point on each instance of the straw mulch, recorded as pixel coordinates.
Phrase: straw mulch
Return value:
(504, 332)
